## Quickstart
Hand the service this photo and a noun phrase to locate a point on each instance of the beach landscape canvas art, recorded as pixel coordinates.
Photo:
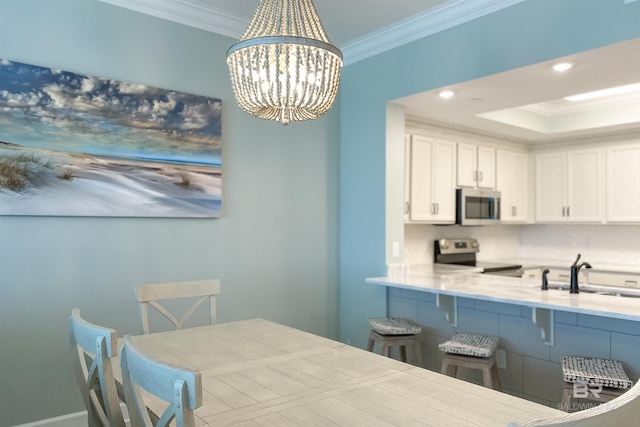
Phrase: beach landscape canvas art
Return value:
(76, 145)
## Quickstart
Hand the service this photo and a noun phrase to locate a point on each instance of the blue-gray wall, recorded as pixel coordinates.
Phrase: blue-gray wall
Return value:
(275, 247)
(520, 35)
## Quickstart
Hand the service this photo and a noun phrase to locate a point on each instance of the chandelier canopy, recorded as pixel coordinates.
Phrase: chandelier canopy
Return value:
(284, 67)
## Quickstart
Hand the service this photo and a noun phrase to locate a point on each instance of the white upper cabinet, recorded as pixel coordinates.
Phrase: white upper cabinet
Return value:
(569, 186)
(512, 180)
(623, 183)
(476, 166)
(430, 181)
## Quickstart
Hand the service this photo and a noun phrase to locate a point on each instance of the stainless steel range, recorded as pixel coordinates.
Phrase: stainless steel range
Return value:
(463, 252)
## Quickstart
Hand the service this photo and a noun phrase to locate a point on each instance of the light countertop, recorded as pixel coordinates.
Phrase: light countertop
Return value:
(511, 290)
(554, 263)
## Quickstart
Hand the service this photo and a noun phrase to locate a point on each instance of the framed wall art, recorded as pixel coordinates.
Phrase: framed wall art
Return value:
(76, 145)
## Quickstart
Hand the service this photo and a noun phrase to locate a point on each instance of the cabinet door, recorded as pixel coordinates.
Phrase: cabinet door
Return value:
(550, 187)
(512, 180)
(623, 191)
(444, 181)
(421, 206)
(486, 168)
(584, 185)
(467, 162)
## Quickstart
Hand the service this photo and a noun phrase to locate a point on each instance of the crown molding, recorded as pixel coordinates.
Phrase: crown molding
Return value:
(431, 21)
(193, 13)
(199, 14)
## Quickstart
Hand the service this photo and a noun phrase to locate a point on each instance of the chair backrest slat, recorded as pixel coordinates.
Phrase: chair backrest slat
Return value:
(181, 388)
(150, 295)
(97, 345)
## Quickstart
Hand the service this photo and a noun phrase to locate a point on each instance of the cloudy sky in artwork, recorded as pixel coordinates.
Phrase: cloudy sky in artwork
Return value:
(48, 108)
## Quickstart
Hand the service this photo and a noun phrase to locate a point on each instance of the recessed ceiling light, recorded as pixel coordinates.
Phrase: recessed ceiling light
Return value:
(446, 94)
(619, 90)
(562, 66)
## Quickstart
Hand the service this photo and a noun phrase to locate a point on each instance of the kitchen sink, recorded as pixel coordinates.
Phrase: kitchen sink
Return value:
(599, 290)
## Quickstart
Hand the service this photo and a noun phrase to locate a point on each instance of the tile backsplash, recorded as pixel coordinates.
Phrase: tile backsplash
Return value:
(496, 241)
(611, 244)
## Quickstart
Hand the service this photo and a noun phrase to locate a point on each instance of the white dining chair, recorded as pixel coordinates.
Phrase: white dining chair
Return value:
(180, 388)
(92, 348)
(153, 294)
(621, 411)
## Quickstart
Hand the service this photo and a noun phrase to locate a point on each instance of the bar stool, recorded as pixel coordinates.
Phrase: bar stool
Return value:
(602, 380)
(472, 351)
(395, 331)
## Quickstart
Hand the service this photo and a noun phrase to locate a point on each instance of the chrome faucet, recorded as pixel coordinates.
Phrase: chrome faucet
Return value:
(575, 269)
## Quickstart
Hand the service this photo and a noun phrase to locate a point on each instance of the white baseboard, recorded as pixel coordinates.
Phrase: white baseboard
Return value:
(77, 419)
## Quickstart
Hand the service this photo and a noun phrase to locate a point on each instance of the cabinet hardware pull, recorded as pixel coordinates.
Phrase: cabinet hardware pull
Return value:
(568, 210)
(514, 210)
(475, 176)
(437, 208)
(631, 282)
(563, 211)
(481, 176)
(406, 207)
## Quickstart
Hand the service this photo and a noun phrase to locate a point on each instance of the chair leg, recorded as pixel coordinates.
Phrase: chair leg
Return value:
(416, 346)
(567, 395)
(448, 368)
(370, 344)
(496, 377)
(403, 353)
(385, 349)
(487, 376)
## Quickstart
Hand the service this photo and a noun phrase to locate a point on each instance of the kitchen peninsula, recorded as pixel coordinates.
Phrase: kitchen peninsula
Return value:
(526, 292)
(536, 328)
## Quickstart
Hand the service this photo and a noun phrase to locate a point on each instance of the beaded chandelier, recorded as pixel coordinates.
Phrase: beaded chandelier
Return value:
(284, 67)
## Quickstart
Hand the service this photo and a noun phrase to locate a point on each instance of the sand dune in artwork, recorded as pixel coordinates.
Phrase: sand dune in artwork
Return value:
(71, 184)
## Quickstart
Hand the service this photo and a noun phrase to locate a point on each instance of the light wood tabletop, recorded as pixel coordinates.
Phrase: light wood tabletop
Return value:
(259, 373)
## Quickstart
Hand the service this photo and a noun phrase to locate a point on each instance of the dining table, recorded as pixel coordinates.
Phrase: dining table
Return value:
(261, 373)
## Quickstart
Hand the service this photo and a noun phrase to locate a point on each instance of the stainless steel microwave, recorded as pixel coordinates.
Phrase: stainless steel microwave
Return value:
(477, 207)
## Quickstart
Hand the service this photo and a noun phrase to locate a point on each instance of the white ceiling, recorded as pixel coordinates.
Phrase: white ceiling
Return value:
(362, 28)
(530, 100)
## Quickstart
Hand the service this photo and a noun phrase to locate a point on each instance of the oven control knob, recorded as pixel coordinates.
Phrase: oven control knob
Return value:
(443, 244)
(475, 245)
